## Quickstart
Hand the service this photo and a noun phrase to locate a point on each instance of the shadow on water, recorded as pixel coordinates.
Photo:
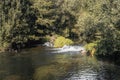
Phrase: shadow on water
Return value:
(15, 68)
(40, 64)
(113, 58)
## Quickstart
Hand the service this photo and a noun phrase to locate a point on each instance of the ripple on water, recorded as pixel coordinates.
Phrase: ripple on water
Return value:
(86, 74)
(41, 64)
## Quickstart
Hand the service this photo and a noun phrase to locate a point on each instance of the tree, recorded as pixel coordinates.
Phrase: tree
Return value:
(44, 11)
(15, 22)
(98, 21)
(66, 17)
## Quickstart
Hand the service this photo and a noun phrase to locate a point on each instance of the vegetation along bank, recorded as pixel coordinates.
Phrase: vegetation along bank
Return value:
(91, 22)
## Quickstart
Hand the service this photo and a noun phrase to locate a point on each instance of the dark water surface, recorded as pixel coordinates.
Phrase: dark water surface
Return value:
(41, 64)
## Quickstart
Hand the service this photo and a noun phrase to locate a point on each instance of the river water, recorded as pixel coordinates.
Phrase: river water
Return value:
(41, 63)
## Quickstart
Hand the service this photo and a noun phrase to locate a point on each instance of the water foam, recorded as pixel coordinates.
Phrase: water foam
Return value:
(66, 48)
(48, 44)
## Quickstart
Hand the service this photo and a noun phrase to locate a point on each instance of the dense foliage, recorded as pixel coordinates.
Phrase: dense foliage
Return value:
(86, 21)
(99, 21)
(17, 24)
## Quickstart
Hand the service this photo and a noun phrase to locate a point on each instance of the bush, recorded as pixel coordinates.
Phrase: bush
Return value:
(61, 41)
(90, 46)
(108, 46)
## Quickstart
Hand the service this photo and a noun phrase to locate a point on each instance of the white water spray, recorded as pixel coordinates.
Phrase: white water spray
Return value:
(66, 48)
(48, 44)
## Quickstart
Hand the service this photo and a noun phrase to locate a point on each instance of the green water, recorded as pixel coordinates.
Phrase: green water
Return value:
(40, 64)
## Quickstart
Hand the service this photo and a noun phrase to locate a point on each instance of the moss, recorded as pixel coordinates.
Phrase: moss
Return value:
(61, 41)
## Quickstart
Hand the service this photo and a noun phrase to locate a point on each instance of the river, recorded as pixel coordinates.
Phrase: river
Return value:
(39, 63)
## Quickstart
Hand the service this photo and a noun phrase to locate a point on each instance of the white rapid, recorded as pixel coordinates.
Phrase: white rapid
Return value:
(66, 48)
(48, 44)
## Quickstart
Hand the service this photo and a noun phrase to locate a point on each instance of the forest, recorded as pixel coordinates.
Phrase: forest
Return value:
(94, 23)
(83, 38)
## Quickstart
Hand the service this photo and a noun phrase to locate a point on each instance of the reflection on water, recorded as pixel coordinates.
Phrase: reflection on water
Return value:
(40, 64)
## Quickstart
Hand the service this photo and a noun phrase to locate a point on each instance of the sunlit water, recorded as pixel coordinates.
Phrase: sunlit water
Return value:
(41, 64)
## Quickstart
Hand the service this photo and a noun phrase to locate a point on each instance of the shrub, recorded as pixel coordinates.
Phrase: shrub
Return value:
(61, 41)
(90, 46)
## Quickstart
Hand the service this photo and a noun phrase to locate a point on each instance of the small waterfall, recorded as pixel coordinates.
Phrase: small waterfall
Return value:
(66, 48)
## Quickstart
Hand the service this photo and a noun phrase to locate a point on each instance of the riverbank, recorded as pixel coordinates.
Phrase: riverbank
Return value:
(91, 49)
(2, 50)
(113, 58)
